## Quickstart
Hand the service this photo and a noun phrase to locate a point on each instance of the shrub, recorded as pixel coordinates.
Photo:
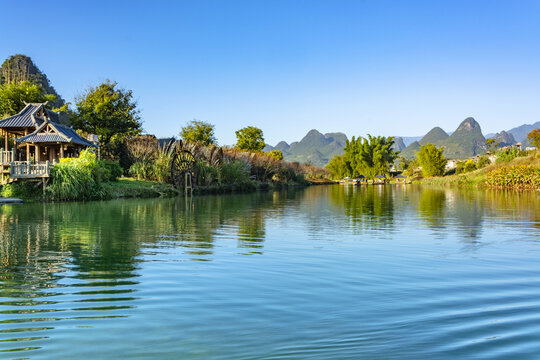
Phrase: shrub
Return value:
(206, 174)
(161, 168)
(509, 154)
(521, 176)
(483, 162)
(463, 167)
(142, 170)
(114, 168)
(235, 172)
(78, 178)
(24, 190)
(276, 154)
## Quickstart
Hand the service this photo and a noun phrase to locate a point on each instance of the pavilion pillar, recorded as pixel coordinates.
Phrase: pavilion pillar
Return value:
(27, 147)
(37, 152)
(61, 151)
(6, 140)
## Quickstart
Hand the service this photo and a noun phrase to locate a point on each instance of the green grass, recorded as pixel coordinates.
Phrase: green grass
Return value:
(131, 188)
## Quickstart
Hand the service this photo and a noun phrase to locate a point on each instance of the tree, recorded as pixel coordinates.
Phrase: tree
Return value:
(276, 154)
(109, 112)
(534, 138)
(250, 138)
(368, 157)
(197, 131)
(492, 144)
(14, 95)
(432, 160)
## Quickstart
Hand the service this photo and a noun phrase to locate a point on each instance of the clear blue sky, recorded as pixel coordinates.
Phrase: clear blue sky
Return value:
(380, 67)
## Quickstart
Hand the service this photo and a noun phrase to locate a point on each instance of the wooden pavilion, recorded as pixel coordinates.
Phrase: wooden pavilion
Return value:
(37, 139)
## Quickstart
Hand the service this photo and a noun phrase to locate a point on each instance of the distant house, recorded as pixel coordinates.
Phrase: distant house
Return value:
(38, 136)
(530, 148)
(450, 164)
(380, 179)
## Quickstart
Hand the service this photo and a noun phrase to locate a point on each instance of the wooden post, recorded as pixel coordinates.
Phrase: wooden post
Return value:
(5, 139)
(37, 153)
(61, 151)
(27, 146)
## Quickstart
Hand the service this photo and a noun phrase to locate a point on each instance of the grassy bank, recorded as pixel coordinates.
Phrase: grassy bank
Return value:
(519, 173)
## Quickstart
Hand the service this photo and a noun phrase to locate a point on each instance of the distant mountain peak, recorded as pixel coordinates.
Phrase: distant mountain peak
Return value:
(468, 124)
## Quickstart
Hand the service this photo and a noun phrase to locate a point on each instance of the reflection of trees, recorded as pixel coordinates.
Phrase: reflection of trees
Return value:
(431, 207)
(367, 207)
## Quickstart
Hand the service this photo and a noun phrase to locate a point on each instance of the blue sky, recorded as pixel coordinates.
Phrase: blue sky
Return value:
(358, 67)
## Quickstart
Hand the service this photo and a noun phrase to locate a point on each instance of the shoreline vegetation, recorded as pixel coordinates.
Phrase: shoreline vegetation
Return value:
(520, 173)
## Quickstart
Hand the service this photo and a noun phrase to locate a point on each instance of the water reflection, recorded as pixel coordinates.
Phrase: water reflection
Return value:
(81, 262)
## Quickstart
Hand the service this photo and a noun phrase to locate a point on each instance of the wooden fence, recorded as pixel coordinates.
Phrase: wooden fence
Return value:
(25, 169)
(6, 157)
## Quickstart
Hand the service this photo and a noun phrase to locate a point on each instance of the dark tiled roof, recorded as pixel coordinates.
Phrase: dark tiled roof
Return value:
(23, 119)
(64, 134)
(43, 138)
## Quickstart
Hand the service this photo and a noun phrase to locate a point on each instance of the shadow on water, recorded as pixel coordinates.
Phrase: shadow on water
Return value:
(79, 262)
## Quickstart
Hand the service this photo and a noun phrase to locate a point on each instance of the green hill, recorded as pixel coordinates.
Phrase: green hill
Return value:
(315, 147)
(466, 141)
(435, 136)
(410, 151)
(20, 68)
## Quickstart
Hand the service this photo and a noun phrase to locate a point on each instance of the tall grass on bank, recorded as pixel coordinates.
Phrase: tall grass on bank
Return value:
(80, 178)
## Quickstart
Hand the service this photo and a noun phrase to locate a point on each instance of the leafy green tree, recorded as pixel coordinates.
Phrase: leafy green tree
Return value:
(337, 167)
(276, 154)
(197, 131)
(534, 138)
(368, 157)
(431, 159)
(108, 111)
(14, 95)
(250, 138)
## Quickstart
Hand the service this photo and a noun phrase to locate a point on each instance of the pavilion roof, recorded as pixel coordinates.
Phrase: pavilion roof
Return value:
(59, 134)
(27, 117)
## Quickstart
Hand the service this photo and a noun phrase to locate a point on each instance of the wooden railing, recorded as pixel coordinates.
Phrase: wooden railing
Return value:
(25, 169)
(6, 157)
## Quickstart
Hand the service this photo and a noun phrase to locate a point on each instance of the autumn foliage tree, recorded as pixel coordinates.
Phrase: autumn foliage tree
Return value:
(534, 138)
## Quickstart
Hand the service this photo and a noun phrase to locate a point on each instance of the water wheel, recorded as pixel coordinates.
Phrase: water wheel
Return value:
(183, 162)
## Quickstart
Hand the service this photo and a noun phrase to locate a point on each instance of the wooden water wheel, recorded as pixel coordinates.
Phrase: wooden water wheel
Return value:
(183, 163)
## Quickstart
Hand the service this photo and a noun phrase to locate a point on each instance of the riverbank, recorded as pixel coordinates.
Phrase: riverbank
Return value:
(127, 187)
(519, 173)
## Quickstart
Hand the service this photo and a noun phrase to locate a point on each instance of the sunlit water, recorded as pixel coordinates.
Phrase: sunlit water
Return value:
(330, 272)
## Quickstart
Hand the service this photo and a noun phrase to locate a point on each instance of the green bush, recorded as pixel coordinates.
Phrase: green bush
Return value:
(522, 176)
(24, 190)
(142, 170)
(463, 167)
(483, 162)
(77, 179)
(235, 172)
(114, 168)
(509, 154)
(161, 168)
(206, 174)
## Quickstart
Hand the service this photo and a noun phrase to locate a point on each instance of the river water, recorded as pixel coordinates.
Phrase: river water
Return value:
(327, 272)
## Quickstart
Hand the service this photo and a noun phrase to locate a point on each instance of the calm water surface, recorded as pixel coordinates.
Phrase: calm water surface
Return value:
(330, 272)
